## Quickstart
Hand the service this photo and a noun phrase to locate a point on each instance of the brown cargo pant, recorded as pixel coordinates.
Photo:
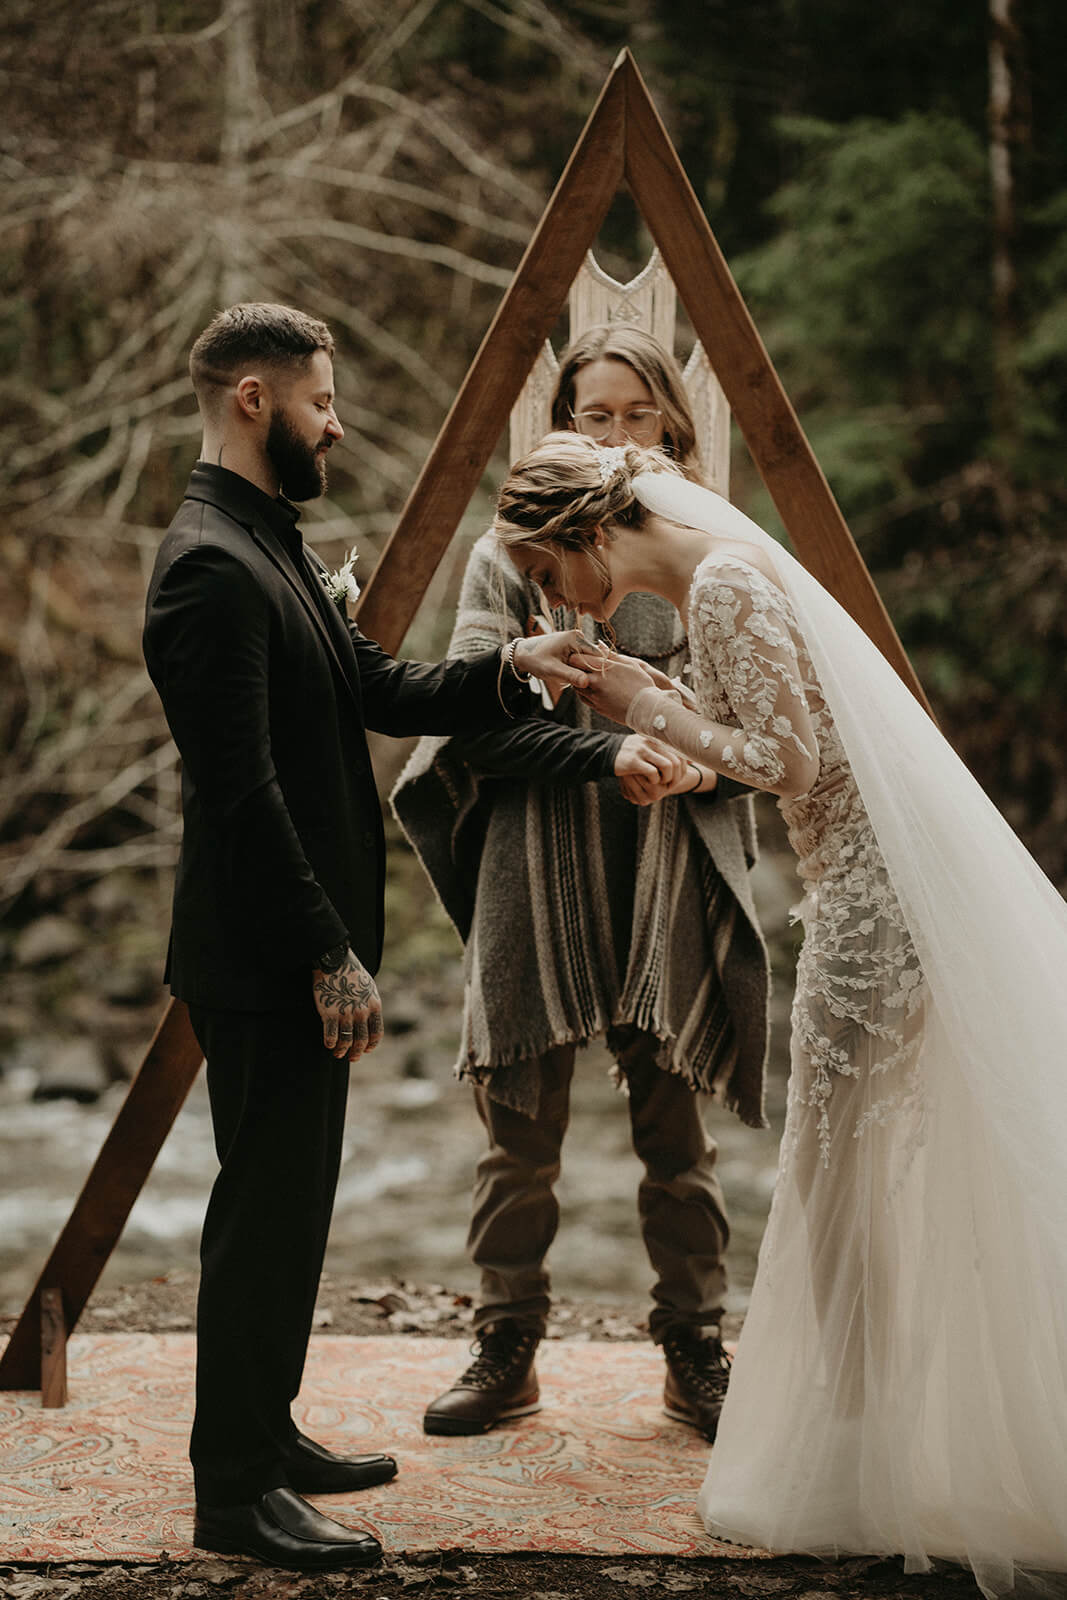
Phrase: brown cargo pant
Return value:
(680, 1203)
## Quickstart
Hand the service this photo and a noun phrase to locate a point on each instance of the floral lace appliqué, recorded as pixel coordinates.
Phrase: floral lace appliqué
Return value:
(860, 993)
(742, 642)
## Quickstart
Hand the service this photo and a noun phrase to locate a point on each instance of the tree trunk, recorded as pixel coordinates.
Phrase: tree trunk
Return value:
(147, 83)
(1004, 55)
(238, 119)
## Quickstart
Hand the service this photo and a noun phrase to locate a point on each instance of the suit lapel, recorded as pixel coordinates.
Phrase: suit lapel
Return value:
(235, 497)
(335, 635)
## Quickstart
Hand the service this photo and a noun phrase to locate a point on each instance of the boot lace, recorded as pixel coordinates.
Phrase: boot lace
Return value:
(501, 1352)
(701, 1364)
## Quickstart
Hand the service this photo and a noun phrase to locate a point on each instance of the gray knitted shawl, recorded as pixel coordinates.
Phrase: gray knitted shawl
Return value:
(521, 868)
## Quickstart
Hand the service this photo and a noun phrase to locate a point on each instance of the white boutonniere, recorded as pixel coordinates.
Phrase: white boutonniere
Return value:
(341, 585)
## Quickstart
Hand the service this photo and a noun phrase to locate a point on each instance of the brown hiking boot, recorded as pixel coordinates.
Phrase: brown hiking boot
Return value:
(698, 1372)
(500, 1383)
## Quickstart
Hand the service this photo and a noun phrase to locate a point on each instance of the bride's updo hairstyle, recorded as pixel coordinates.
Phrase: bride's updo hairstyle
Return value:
(558, 493)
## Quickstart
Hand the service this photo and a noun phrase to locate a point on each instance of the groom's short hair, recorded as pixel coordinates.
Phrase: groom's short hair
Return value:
(253, 334)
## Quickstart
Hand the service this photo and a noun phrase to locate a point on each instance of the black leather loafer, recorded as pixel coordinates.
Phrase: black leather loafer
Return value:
(284, 1531)
(313, 1469)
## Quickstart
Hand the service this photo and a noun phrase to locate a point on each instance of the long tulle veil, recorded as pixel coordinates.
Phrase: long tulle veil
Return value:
(986, 1367)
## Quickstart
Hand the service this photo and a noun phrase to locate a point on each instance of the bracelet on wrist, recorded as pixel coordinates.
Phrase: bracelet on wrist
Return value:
(501, 696)
(700, 778)
(509, 657)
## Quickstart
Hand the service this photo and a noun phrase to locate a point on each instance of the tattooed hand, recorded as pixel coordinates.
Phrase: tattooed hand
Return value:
(351, 1011)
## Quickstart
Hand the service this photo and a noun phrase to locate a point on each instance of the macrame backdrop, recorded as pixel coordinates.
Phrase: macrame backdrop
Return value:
(648, 301)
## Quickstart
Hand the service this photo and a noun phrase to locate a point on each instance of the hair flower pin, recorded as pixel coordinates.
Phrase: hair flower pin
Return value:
(341, 585)
(611, 458)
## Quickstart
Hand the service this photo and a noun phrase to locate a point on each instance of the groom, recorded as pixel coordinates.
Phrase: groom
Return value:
(277, 926)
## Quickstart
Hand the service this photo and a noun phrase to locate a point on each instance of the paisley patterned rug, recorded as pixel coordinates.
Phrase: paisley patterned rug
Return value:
(599, 1470)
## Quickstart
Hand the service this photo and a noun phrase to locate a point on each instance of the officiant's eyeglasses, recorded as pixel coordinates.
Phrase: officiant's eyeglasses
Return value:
(639, 423)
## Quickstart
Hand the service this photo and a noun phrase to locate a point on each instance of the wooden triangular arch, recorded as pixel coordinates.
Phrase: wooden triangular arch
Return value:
(624, 141)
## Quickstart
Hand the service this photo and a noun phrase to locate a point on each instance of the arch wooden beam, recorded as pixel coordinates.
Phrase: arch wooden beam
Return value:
(722, 322)
(523, 322)
(624, 140)
(119, 1173)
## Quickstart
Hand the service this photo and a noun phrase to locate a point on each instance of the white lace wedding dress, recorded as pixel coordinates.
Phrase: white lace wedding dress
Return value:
(901, 1381)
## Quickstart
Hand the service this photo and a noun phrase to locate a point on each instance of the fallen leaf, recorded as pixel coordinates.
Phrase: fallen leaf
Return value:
(761, 1585)
(637, 1577)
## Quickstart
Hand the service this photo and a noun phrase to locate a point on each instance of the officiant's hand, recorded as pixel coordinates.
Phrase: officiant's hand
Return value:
(555, 656)
(348, 1003)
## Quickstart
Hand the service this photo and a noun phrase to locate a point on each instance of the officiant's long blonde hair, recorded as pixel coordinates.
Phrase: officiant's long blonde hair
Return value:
(657, 369)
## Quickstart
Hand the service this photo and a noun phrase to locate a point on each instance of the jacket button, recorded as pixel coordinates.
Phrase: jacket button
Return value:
(369, 840)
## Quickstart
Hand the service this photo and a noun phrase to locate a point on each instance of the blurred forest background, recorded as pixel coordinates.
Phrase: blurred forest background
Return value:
(889, 185)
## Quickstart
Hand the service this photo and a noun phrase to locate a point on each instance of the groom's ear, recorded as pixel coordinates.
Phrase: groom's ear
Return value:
(251, 396)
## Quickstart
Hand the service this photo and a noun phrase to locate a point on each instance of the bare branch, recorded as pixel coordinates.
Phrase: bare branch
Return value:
(304, 166)
(62, 830)
(529, 19)
(388, 244)
(71, 196)
(400, 35)
(79, 427)
(365, 328)
(137, 454)
(425, 118)
(178, 295)
(176, 41)
(60, 608)
(89, 528)
(156, 851)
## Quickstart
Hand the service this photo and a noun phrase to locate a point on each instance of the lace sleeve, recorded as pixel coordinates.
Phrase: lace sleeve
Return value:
(745, 661)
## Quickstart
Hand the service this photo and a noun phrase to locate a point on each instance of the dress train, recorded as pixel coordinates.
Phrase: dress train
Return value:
(900, 1386)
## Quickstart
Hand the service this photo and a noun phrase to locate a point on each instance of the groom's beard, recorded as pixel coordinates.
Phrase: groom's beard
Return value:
(300, 467)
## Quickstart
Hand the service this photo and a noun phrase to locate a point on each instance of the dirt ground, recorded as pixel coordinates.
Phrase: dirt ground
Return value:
(166, 1305)
(492, 1578)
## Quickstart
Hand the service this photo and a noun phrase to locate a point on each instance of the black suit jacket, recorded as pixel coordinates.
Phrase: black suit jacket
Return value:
(267, 694)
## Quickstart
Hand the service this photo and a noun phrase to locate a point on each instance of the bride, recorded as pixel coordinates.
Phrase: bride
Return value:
(901, 1382)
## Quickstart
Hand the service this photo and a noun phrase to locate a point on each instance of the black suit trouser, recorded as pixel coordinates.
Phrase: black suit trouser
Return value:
(278, 1107)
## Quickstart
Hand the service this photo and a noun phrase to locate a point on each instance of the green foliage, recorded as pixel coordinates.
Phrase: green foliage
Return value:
(875, 296)
(1043, 349)
(986, 621)
(385, 167)
(878, 275)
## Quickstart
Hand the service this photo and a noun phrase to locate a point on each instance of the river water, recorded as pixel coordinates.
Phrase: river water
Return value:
(411, 1144)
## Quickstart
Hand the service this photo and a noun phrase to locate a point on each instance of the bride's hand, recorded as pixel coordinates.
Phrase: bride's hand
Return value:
(611, 690)
(566, 657)
(673, 685)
